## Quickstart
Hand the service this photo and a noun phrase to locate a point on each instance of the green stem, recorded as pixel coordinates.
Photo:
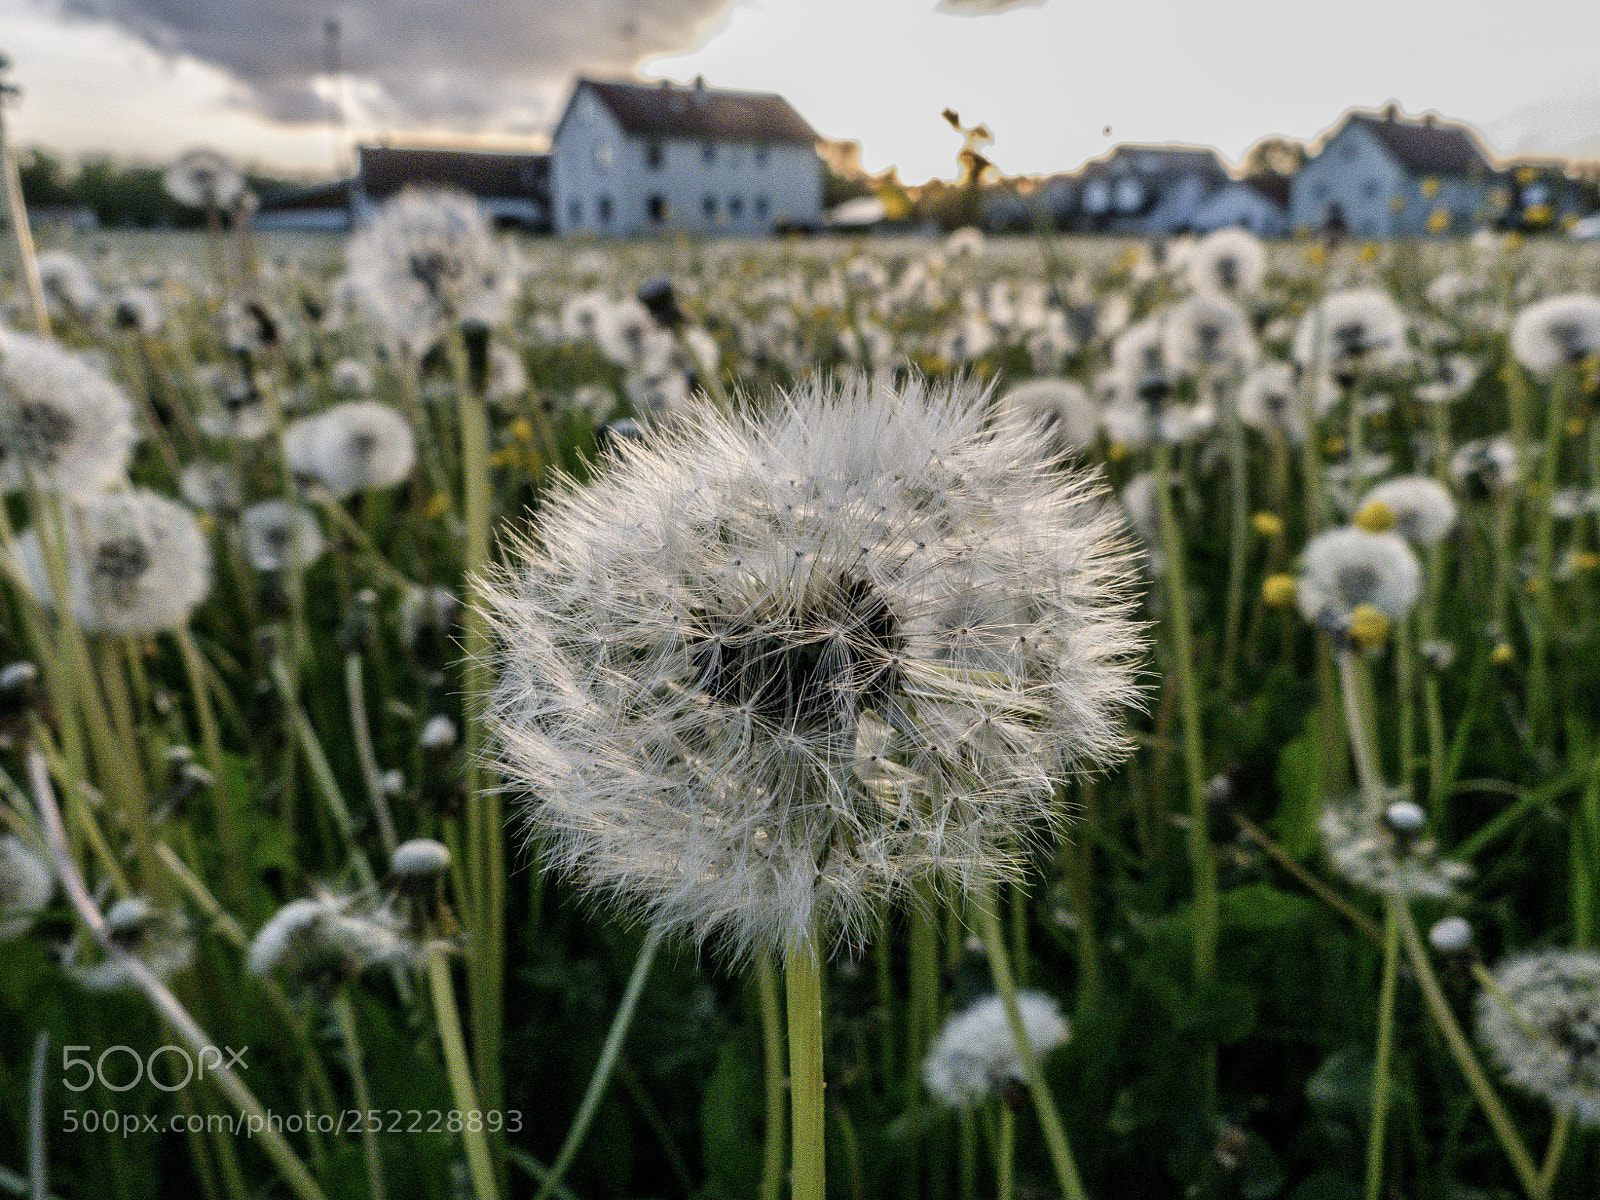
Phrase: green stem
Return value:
(1044, 1105)
(1006, 1154)
(1380, 1056)
(355, 690)
(609, 1054)
(802, 971)
(1439, 1009)
(776, 1088)
(354, 1060)
(462, 1090)
(1202, 860)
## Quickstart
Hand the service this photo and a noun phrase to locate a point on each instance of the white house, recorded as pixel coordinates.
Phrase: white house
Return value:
(1384, 175)
(1259, 203)
(631, 159)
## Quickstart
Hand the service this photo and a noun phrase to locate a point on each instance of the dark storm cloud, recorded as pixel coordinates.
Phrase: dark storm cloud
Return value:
(465, 62)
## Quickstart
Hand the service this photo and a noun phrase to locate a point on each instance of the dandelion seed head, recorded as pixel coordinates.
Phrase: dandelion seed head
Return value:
(357, 446)
(1060, 409)
(1227, 262)
(1421, 510)
(279, 536)
(136, 563)
(1541, 1026)
(975, 1053)
(1554, 332)
(765, 670)
(63, 424)
(1345, 568)
(1368, 849)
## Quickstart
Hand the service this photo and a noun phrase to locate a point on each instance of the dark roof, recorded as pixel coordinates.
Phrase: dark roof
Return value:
(486, 174)
(1426, 147)
(665, 110)
(335, 194)
(1156, 160)
(1273, 187)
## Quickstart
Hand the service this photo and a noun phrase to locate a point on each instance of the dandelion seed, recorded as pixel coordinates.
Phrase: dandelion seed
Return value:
(325, 940)
(1387, 854)
(1058, 408)
(160, 939)
(764, 671)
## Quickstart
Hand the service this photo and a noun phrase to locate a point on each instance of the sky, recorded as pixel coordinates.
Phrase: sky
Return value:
(1057, 81)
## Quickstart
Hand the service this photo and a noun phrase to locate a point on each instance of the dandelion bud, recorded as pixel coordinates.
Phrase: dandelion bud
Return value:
(420, 859)
(1453, 935)
(1375, 517)
(1405, 818)
(392, 781)
(1278, 591)
(1440, 654)
(439, 733)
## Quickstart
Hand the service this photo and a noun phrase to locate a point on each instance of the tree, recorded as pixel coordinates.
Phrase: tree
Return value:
(1275, 155)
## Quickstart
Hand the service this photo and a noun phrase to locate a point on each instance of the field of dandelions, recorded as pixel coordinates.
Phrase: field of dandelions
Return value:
(1175, 731)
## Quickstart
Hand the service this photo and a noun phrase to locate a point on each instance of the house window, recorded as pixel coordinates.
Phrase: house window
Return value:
(1320, 191)
(1369, 189)
(656, 208)
(735, 207)
(603, 210)
(761, 207)
(575, 212)
(761, 156)
(708, 206)
(653, 156)
(1348, 150)
(708, 153)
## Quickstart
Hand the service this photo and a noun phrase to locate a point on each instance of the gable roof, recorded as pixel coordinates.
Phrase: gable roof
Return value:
(712, 114)
(486, 174)
(1152, 160)
(1425, 147)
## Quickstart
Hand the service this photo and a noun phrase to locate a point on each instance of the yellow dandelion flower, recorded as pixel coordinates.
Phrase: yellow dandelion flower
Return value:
(1278, 591)
(1375, 516)
(1267, 524)
(1369, 626)
(1439, 221)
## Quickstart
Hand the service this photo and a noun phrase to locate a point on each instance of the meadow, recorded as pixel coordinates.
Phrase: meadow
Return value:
(1269, 867)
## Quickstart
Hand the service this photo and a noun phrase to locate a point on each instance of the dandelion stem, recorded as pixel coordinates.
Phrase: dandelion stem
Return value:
(609, 1054)
(448, 1020)
(1202, 860)
(1006, 1152)
(772, 1053)
(1385, 1046)
(1044, 1104)
(802, 972)
(345, 1012)
(1439, 1008)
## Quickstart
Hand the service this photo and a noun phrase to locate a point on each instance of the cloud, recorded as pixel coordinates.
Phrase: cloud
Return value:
(982, 8)
(470, 64)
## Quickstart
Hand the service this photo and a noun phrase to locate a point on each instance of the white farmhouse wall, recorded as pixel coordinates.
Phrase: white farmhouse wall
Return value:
(588, 172)
(607, 183)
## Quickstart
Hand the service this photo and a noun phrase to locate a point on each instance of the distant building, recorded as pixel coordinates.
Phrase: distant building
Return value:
(630, 159)
(1259, 203)
(1145, 190)
(1383, 175)
(513, 189)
